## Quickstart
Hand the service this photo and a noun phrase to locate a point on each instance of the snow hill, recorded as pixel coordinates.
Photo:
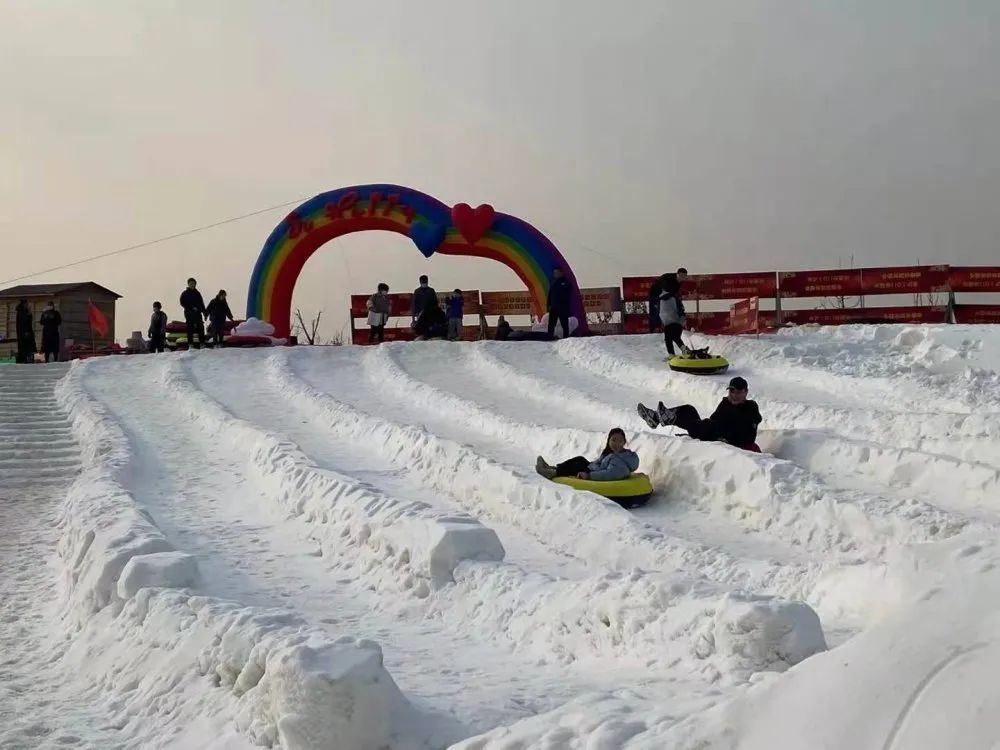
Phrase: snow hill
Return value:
(349, 548)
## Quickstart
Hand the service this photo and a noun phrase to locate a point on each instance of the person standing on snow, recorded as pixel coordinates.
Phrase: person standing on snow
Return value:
(218, 313)
(672, 311)
(25, 331)
(668, 282)
(559, 300)
(423, 295)
(734, 420)
(379, 306)
(51, 320)
(194, 314)
(157, 329)
(456, 313)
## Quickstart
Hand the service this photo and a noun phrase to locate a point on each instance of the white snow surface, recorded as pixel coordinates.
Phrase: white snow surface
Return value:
(349, 548)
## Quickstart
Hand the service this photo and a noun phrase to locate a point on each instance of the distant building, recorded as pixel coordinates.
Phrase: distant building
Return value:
(71, 300)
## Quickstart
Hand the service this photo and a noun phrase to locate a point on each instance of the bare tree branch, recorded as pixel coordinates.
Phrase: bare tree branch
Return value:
(308, 332)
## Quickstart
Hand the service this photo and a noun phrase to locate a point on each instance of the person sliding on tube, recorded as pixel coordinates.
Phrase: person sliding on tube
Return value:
(616, 462)
(734, 420)
(672, 310)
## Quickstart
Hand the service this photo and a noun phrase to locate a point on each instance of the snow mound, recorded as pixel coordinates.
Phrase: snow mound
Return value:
(159, 570)
(259, 328)
(308, 695)
(666, 621)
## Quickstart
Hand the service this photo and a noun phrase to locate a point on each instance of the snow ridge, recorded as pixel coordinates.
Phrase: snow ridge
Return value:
(291, 683)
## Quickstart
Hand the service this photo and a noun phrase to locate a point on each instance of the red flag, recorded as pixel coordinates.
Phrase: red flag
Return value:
(98, 323)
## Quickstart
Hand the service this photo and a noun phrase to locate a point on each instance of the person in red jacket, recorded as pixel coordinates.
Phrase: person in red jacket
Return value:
(734, 420)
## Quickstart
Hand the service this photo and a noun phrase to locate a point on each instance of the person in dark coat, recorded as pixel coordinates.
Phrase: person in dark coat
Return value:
(432, 323)
(423, 295)
(734, 420)
(218, 313)
(25, 331)
(157, 329)
(503, 329)
(51, 320)
(667, 285)
(560, 298)
(194, 314)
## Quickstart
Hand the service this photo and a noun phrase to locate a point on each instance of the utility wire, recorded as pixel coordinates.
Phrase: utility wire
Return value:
(157, 241)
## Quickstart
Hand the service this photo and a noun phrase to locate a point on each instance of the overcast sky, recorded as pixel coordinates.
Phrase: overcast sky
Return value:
(639, 134)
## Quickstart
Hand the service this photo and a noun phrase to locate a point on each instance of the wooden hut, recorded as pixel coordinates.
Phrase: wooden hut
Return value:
(72, 302)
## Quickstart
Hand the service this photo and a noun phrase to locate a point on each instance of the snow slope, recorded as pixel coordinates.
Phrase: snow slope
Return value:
(343, 547)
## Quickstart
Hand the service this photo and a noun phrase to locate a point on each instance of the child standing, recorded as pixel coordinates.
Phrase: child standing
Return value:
(157, 329)
(456, 312)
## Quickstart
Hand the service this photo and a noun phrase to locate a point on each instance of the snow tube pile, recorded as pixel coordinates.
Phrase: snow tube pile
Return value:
(698, 363)
(628, 493)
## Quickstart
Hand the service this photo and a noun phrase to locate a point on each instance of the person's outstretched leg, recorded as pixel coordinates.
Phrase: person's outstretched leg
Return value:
(572, 467)
(683, 416)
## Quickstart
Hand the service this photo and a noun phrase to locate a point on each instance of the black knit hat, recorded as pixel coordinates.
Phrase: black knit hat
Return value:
(738, 384)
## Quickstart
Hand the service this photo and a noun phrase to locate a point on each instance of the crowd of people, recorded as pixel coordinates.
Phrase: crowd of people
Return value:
(196, 312)
(428, 319)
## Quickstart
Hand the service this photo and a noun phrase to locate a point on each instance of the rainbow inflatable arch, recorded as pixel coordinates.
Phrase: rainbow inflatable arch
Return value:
(433, 226)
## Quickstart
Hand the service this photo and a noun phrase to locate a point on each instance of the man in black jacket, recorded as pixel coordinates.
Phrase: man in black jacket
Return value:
(667, 285)
(734, 420)
(560, 298)
(194, 314)
(423, 296)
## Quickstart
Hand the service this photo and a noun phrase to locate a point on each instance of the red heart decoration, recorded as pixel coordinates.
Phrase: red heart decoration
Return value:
(472, 223)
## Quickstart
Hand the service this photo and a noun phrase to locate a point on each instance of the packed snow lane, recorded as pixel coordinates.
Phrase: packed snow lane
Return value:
(460, 649)
(454, 445)
(234, 526)
(39, 460)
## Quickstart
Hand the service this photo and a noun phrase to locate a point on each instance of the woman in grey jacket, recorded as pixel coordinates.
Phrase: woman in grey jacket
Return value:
(616, 462)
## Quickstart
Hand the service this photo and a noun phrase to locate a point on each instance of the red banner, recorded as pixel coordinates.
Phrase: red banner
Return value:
(831, 283)
(977, 314)
(735, 285)
(399, 305)
(974, 278)
(602, 299)
(635, 323)
(904, 280)
(636, 288)
(506, 303)
(709, 322)
(838, 316)
(743, 316)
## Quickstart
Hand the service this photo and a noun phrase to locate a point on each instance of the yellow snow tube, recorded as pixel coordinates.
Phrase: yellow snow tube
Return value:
(698, 365)
(628, 493)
